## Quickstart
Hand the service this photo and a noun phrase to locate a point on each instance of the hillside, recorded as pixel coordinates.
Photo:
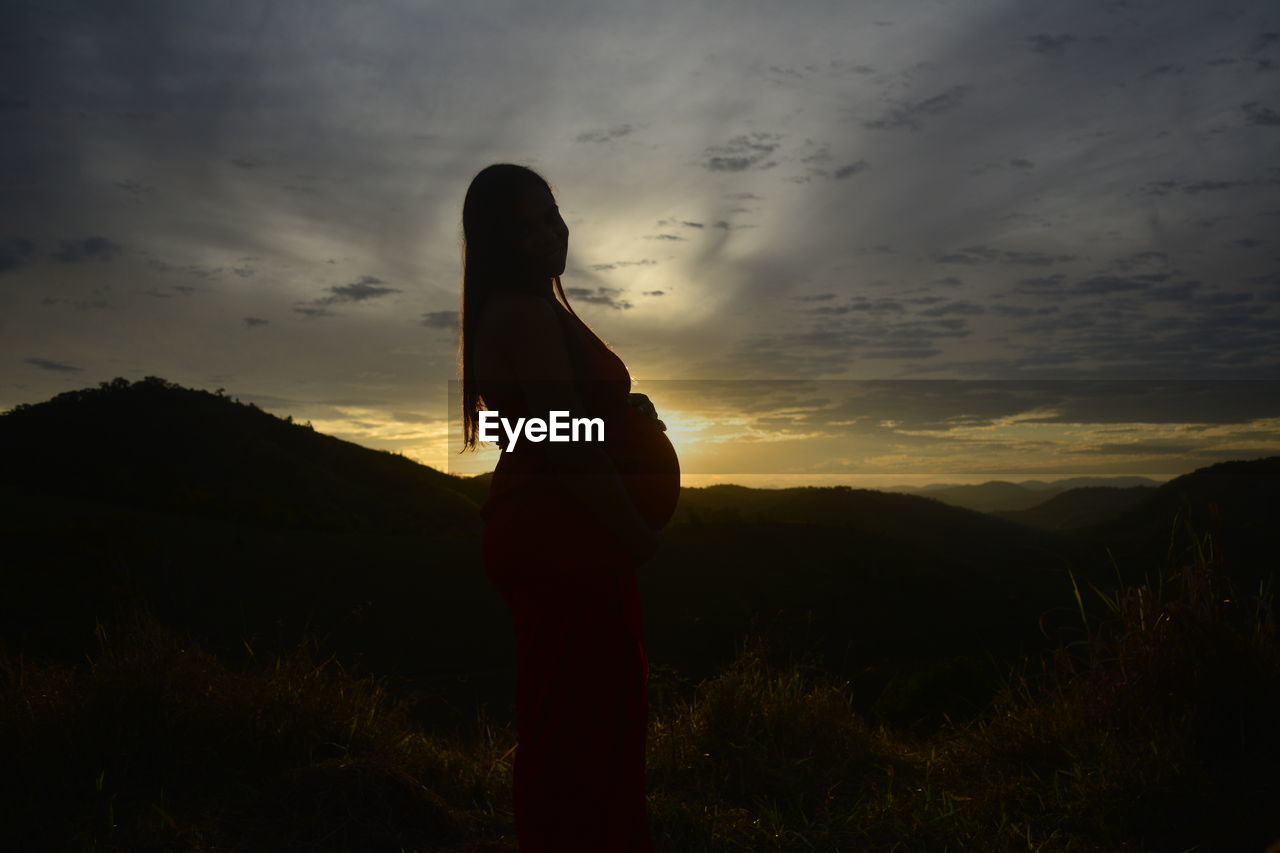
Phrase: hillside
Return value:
(1236, 502)
(1079, 507)
(997, 496)
(236, 525)
(153, 444)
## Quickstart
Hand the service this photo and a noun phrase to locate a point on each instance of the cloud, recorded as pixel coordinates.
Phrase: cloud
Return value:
(1195, 187)
(908, 113)
(440, 320)
(671, 237)
(15, 252)
(253, 322)
(135, 189)
(851, 169)
(743, 152)
(605, 135)
(901, 353)
(958, 307)
(78, 251)
(1256, 113)
(46, 364)
(646, 262)
(366, 288)
(989, 255)
(814, 297)
(600, 296)
(1050, 44)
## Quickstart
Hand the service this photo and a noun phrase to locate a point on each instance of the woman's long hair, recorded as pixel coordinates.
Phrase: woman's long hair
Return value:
(490, 261)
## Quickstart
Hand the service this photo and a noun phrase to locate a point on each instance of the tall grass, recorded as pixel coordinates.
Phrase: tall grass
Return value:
(1152, 729)
(155, 744)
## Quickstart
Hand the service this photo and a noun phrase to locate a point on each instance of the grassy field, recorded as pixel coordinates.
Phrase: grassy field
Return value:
(1153, 729)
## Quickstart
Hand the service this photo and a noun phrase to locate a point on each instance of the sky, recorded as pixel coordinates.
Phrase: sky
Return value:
(919, 240)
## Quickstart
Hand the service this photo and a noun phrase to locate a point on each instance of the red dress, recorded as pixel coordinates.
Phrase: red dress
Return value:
(581, 671)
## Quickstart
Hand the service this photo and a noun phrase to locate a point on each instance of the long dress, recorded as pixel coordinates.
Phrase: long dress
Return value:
(581, 670)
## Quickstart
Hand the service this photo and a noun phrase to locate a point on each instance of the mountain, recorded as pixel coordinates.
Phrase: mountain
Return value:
(1079, 507)
(154, 444)
(1002, 496)
(1232, 505)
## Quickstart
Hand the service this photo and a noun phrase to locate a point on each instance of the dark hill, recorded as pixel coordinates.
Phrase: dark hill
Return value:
(1243, 494)
(914, 522)
(156, 445)
(1079, 507)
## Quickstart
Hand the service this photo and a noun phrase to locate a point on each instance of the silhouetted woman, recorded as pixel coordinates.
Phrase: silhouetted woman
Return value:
(566, 524)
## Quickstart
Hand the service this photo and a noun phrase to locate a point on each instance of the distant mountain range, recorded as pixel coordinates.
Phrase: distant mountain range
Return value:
(1002, 496)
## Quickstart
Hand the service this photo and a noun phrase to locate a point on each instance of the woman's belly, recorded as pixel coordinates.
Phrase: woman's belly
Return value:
(640, 451)
(647, 462)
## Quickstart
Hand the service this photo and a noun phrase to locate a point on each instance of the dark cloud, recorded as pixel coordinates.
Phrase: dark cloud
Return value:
(743, 152)
(852, 169)
(1050, 44)
(646, 262)
(1264, 41)
(253, 322)
(663, 237)
(15, 252)
(942, 405)
(135, 189)
(190, 269)
(609, 296)
(1022, 310)
(245, 162)
(605, 135)
(989, 255)
(1195, 187)
(90, 248)
(814, 297)
(1100, 284)
(47, 364)
(654, 292)
(901, 353)
(313, 312)
(839, 338)
(366, 288)
(958, 307)
(1177, 292)
(909, 113)
(860, 304)
(413, 418)
(1256, 113)
(440, 320)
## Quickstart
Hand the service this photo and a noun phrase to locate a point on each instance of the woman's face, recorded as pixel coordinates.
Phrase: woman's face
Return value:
(544, 238)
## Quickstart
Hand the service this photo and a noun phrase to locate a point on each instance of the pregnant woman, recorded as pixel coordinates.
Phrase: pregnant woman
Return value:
(566, 524)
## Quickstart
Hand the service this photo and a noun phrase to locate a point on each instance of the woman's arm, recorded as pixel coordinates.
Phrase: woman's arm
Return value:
(531, 342)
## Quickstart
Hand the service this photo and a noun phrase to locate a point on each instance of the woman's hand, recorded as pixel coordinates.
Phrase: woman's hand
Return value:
(645, 405)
